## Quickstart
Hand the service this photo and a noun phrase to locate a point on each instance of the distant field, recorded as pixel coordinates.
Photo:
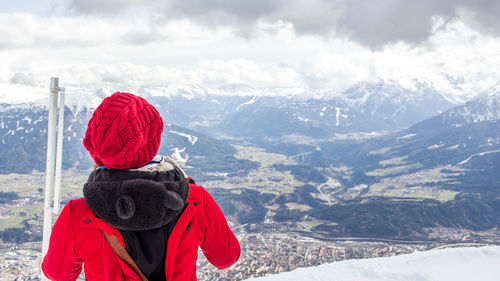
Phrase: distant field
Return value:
(26, 184)
(265, 179)
(425, 184)
(266, 159)
(11, 222)
(31, 187)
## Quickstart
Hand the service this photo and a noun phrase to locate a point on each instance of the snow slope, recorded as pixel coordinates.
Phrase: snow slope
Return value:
(454, 264)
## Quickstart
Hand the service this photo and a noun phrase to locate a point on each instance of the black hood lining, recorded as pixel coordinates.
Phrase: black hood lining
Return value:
(136, 200)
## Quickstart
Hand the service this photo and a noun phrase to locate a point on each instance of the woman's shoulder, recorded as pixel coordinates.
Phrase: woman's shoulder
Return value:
(196, 192)
(77, 208)
(200, 195)
(78, 204)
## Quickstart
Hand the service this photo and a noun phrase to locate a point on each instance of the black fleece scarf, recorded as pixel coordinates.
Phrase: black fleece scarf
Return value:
(136, 200)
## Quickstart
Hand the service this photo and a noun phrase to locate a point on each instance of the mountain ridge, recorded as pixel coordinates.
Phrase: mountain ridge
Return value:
(23, 131)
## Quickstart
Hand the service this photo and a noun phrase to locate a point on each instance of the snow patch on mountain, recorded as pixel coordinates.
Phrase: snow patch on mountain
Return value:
(191, 139)
(27, 118)
(407, 136)
(40, 119)
(251, 101)
(454, 264)
(179, 155)
(6, 134)
(338, 114)
(436, 146)
(303, 119)
(476, 155)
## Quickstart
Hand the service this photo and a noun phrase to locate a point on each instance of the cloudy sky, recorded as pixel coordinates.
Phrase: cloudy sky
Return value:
(241, 46)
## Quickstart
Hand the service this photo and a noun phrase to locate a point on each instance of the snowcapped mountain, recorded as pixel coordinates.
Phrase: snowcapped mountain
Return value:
(454, 264)
(83, 99)
(23, 133)
(485, 108)
(23, 139)
(365, 107)
(464, 132)
(387, 100)
(381, 106)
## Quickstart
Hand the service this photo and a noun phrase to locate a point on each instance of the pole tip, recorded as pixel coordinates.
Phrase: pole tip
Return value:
(54, 84)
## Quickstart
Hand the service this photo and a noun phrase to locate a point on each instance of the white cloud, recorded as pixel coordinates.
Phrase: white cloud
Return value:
(27, 30)
(169, 56)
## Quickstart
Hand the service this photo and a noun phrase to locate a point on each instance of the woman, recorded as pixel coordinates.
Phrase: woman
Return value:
(140, 218)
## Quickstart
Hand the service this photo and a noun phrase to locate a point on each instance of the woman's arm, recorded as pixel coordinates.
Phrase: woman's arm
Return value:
(220, 246)
(61, 261)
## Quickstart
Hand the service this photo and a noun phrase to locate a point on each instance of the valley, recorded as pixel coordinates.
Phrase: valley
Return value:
(277, 240)
(281, 219)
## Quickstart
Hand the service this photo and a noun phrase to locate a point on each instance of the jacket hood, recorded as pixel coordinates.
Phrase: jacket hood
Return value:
(138, 199)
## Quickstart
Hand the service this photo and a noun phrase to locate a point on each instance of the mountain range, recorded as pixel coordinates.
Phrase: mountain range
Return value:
(391, 161)
(365, 107)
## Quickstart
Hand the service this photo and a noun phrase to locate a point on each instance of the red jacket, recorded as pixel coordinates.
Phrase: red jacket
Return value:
(77, 239)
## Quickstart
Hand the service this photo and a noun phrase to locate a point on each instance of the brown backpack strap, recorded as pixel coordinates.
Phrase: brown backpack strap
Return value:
(122, 253)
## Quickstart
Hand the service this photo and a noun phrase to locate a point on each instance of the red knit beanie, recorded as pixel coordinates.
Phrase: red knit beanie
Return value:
(124, 132)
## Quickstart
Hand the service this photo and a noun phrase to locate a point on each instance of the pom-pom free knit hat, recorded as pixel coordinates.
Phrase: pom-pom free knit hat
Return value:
(124, 132)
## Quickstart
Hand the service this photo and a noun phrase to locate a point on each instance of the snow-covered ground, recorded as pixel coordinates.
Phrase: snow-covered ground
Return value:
(456, 264)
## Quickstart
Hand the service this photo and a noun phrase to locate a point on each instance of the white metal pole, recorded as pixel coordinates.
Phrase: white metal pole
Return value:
(60, 134)
(49, 170)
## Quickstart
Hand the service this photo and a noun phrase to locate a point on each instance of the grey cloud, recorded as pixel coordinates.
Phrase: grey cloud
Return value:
(372, 23)
(243, 10)
(483, 15)
(141, 37)
(375, 23)
(103, 6)
(23, 79)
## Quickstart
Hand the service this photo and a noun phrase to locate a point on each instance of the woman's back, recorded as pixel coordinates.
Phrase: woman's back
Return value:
(146, 211)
